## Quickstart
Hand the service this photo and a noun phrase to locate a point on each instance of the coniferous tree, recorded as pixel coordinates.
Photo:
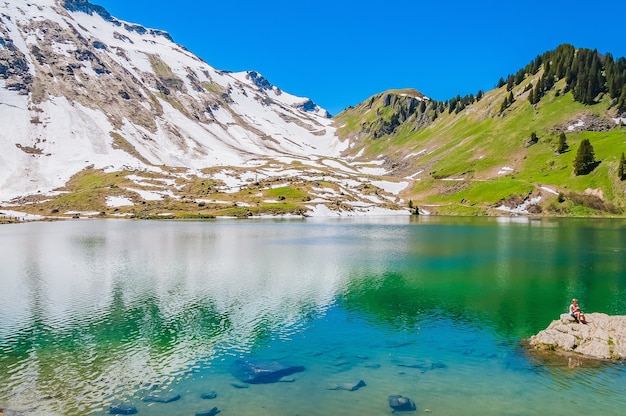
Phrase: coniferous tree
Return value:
(585, 159)
(510, 82)
(519, 76)
(504, 105)
(563, 146)
(585, 77)
(532, 97)
(479, 95)
(621, 170)
(621, 102)
(501, 83)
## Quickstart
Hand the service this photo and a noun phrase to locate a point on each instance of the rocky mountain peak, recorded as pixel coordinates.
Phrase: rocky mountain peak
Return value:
(86, 7)
(88, 94)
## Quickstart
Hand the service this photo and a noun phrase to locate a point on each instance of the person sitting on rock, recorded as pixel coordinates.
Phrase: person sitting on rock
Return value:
(576, 313)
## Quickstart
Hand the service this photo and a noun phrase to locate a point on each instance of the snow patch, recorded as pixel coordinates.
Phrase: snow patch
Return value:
(392, 187)
(118, 201)
(521, 209)
(550, 190)
(578, 124)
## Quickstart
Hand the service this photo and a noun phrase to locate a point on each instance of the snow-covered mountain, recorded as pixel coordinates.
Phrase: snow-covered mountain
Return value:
(80, 88)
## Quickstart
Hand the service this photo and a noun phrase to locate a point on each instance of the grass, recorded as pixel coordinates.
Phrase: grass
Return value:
(119, 142)
(87, 190)
(159, 67)
(476, 143)
(286, 193)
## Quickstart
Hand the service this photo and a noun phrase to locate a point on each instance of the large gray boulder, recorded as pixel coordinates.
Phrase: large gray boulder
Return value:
(602, 337)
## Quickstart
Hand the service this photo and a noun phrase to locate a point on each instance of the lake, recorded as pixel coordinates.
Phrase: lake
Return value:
(101, 313)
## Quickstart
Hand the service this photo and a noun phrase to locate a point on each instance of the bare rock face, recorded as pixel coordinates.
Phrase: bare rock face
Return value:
(602, 337)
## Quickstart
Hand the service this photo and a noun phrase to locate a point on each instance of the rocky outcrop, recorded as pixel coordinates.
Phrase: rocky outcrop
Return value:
(602, 337)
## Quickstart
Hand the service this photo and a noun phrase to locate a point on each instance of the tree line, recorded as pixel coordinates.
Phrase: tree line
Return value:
(586, 72)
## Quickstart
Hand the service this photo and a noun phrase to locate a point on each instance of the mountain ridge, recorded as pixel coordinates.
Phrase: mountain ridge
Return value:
(114, 119)
(110, 117)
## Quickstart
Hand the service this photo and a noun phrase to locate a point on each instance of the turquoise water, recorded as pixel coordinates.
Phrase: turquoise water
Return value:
(95, 313)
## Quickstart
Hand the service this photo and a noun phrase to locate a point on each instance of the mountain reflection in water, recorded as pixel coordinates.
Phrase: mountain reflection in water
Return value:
(98, 312)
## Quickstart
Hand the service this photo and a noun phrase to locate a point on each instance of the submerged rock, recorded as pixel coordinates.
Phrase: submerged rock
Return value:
(210, 395)
(401, 404)
(122, 409)
(423, 365)
(603, 337)
(353, 386)
(262, 372)
(162, 398)
(211, 412)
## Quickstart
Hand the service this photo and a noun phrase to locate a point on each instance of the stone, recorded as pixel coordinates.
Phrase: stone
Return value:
(423, 365)
(262, 372)
(602, 337)
(353, 386)
(122, 409)
(210, 395)
(211, 412)
(401, 404)
(162, 398)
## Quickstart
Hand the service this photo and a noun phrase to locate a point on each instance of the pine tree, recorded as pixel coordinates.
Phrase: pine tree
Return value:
(562, 144)
(479, 95)
(621, 170)
(621, 102)
(532, 97)
(585, 158)
(510, 82)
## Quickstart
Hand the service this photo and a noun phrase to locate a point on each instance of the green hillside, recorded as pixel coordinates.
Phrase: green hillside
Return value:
(470, 155)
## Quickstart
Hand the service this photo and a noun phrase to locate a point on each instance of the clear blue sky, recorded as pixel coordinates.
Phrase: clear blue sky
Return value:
(339, 53)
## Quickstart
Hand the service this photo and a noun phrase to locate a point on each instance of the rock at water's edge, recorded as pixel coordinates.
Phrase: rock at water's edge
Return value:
(603, 337)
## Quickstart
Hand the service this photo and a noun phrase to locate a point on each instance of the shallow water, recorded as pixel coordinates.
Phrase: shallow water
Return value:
(94, 313)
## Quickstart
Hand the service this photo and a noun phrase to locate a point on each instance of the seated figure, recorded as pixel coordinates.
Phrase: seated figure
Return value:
(576, 313)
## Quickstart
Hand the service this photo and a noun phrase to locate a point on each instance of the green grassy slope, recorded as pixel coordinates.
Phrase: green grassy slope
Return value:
(478, 159)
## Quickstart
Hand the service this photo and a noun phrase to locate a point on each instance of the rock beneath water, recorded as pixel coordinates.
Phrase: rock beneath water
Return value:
(240, 385)
(423, 365)
(210, 395)
(603, 337)
(262, 372)
(211, 412)
(162, 398)
(122, 409)
(354, 386)
(401, 404)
